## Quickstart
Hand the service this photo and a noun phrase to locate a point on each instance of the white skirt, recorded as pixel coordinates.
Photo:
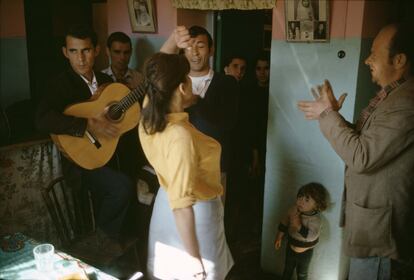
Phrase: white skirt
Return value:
(167, 258)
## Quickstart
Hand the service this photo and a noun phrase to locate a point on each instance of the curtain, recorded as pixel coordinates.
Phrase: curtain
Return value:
(224, 4)
(24, 170)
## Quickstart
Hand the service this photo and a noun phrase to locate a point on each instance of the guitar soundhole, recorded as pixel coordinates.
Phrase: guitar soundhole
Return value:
(115, 112)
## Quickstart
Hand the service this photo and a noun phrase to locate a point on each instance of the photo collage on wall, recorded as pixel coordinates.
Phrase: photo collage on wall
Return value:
(307, 20)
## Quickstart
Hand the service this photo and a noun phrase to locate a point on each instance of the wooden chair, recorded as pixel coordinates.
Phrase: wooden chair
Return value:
(5, 132)
(70, 225)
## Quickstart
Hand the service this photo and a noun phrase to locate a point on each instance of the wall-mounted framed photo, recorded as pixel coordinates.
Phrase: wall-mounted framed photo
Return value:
(142, 14)
(307, 20)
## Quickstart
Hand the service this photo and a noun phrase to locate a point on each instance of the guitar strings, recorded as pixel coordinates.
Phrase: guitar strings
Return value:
(127, 101)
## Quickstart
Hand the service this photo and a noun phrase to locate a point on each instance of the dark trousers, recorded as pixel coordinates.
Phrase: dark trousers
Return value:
(300, 261)
(380, 268)
(257, 198)
(112, 192)
(237, 206)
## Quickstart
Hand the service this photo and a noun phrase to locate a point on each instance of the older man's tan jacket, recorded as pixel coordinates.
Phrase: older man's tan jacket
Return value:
(378, 199)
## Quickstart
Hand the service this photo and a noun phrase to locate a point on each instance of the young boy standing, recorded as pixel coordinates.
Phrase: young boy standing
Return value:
(302, 226)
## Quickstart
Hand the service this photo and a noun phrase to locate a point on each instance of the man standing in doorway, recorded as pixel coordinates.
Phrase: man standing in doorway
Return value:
(379, 156)
(238, 175)
(215, 113)
(235, 66)
(260, 109)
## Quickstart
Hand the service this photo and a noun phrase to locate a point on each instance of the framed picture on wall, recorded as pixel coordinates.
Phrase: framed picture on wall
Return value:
(307, 20)
(142, 14)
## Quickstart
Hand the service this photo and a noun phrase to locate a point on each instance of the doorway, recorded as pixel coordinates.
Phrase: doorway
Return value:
(246, 33)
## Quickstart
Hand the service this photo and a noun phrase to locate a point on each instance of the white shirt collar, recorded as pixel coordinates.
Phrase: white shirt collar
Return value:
(200, 84)
(110, 73)
(93, 86)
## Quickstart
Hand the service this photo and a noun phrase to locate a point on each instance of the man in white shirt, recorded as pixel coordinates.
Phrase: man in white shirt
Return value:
(215, 113)
(119, 50)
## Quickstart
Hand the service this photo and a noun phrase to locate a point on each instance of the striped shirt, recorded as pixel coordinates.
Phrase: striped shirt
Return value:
(374, 102)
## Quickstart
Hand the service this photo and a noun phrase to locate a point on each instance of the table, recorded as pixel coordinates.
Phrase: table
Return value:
(17, 262)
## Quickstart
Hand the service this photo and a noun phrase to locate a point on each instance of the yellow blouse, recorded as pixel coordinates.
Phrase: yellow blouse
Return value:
(186, 161)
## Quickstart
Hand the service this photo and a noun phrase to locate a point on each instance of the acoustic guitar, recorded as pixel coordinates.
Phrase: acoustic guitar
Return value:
(123, 109)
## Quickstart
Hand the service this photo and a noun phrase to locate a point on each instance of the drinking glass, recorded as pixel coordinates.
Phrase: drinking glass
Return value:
(43, 255)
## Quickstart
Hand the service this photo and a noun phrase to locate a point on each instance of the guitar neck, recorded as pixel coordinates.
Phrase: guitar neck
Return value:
(136, 95)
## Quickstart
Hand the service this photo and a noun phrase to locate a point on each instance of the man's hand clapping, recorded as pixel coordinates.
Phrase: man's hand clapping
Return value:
(324, 99)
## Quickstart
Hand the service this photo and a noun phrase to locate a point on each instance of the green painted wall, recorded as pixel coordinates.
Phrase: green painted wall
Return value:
(144, 47)
(14, 74)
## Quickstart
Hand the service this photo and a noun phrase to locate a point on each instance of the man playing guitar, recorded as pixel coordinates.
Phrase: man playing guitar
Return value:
(111, 190)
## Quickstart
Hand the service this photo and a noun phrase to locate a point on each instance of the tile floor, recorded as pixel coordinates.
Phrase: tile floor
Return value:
(246, 253)
(246, 256)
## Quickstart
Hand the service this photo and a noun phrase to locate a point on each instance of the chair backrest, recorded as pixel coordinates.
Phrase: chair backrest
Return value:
(68, 209)
(147, 174)
(5, 132)
(60, 203)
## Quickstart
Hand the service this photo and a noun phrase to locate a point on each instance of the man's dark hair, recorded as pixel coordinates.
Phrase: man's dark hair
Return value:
(403, 42)
(317, 192)
(230, 58)
(263, 56)
(118, 37)
(196, 30)
(82, 31)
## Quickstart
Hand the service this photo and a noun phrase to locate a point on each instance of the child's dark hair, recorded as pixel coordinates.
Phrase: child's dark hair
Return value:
(317, 192)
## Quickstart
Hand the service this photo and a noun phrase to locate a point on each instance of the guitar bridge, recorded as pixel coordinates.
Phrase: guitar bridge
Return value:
(93, 139)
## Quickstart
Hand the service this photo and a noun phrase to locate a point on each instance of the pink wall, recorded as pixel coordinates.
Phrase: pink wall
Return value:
(278, 25)
(100, 24)
(118, 18)
(12, 23)
(192, 17)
